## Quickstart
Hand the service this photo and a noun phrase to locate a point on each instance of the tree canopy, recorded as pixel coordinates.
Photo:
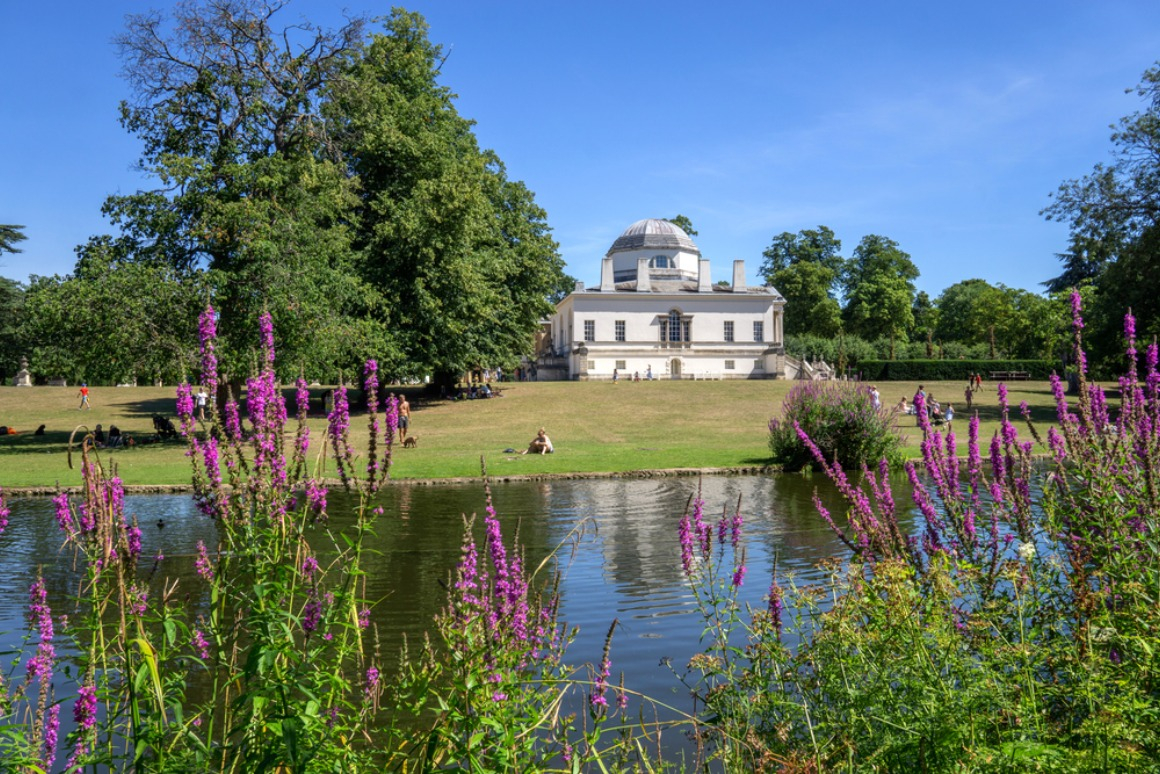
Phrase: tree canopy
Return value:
(324, 176)
(9, 236)
(878, 285)
(1114, 216)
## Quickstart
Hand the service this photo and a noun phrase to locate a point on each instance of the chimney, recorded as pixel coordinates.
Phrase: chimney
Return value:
(606, 283)
(643, 283)
(704, 281)
(578, 287)
(739, 276)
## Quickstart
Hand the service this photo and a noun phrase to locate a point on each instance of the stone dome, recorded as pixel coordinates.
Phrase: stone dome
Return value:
(653, 233)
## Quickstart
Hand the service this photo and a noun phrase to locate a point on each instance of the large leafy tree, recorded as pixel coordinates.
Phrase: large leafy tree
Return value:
(325, 176)
(878, 287)
(113, 319)
(1114, 215)
(810, 307)
(682, 222)
(1008, 322)
(11, 313)
(818, 246)
(462, 253)
(804, 268)
(253, 189)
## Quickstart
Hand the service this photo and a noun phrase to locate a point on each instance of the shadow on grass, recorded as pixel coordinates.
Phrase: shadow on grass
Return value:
(166, 407)
(56, 441)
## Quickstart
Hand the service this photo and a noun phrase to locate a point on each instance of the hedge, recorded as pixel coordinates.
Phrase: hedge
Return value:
(949, 370)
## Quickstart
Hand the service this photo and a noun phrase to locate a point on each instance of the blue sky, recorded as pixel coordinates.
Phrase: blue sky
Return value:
(942, 126)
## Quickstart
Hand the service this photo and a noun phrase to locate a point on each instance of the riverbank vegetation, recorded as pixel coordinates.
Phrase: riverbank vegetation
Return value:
(596, 427)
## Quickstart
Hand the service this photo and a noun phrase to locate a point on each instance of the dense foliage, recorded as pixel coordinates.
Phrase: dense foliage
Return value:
(321, 176)
(1010, 624)
(1115, 233)
(843, 422)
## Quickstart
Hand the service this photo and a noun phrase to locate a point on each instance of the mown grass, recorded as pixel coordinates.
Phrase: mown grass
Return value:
(595, 427)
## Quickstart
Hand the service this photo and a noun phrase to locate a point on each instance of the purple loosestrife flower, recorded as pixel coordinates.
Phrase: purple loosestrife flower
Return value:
(40, 616)
(1002, 398)
(309, 567)
(133, 535)
(364, 618)
(185, 408)
(51, 735)
(207, 334)
(739, 576)
(4, 512)
(266, 328)
(233, 421)
(467, 581)
(735, 527)
(311, 614)
(704, 532)
(63, 513)
(371, 388)
(338, 428)
(202, 563)
(201, 644)
(685, 533)
(138, 599)
(600, 687)
(85, 708)
(776, 606)
(372, 680)
(1076, 310)
(316, 498)
(498, 556)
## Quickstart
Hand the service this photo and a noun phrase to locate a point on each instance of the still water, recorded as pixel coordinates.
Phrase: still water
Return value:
(626, 566)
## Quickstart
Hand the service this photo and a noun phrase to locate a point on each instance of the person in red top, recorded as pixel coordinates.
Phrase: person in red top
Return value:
(84, 396)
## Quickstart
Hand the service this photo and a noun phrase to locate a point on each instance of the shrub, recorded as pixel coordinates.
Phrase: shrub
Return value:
(840, 419)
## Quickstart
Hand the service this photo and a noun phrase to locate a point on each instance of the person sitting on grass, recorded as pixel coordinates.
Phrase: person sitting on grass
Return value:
(541, 444)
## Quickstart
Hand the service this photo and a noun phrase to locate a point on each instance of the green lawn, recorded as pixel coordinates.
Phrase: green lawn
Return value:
(595, 426)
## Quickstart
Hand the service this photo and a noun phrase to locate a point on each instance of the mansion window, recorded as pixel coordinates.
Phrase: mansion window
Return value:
(661, 262)
(620, 330)
(759, 331)
(728, 330)
(590, 330)
(730, 365)
(674, 327)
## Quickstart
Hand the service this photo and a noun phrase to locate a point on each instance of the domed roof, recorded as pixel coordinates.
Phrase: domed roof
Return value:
(653, 233)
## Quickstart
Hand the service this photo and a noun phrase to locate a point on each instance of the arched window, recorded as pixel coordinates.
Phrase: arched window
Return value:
(661, 262)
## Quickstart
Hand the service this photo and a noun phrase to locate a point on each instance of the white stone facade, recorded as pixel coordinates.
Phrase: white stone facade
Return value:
(668, 318)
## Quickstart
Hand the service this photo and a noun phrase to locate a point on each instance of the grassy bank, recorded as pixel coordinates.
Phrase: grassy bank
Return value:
(595, 426)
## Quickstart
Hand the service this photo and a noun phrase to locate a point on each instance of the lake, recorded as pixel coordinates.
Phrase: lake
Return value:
(627, 565)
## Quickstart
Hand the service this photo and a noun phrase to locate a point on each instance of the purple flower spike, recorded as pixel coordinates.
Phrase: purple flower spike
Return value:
(266, 327)
(207, 332)
(1076, 310)
(85, 709)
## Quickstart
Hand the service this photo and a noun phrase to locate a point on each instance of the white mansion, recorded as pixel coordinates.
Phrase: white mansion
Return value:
(657, 310)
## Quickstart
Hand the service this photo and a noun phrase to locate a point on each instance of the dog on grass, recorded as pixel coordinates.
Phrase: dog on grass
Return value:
(410, 442)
